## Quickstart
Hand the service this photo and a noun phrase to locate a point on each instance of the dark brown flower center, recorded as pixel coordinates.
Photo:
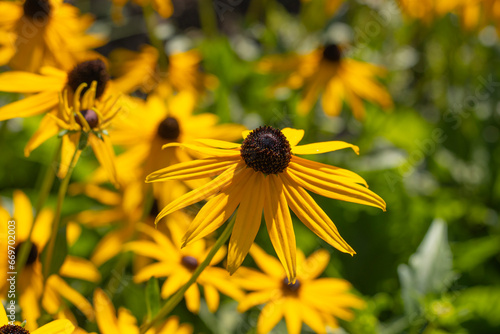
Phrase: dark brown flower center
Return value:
(90, 116)
(37, 9)
(32, 256)
(13, 329)
(169, 129)
(332, 53)
(290, 288)
(266, 150)
(86, 72)
(189, 262)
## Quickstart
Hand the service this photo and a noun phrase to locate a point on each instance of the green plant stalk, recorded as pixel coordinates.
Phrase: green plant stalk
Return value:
(177, 297)
(150, 19)
(207, 18)
(48, 181)
(63, 188)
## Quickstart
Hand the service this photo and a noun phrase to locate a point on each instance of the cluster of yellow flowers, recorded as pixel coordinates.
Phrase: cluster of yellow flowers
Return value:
(171, 158)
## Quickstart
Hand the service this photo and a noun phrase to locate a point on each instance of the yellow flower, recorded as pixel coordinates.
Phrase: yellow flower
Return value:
(30, 283)
(57, 326)
(47, 33)
(178, 265)
(265, 173)
(317, 302)
(85, 121)
(125, 322)
(325, 71)
(478, 13)
(162, 119)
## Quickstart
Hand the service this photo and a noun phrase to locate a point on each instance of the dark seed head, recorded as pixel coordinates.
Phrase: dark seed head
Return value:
(88, 71)
(90, 116)
(169, 129)
(37, 9)
(332, 53)
(189, 262)
(13, 329)
(266, 150)
(290, 288)
(33, 254)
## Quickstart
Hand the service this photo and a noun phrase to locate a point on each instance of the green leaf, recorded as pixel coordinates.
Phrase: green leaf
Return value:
(472, 253)
(481, 301)
(152, 297)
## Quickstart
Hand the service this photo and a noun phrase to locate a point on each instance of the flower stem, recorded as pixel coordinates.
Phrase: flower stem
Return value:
(177, 297)
(207, 18)
(48, 181)
(57, 217)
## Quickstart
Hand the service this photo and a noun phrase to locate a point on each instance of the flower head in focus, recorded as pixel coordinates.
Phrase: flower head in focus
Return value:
(314, 301)
(264, 174)
(337, 79)
(178, 265)
(111, 322)
(45, 33)
(30, 285)
(62, 326)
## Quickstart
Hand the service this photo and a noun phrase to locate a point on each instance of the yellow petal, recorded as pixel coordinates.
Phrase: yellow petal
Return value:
(247, 223)
(294, 136)
(30, 106)
(105, 313)
(266, 262)
(69, 146)
(192, 297)
(127, 322)
(3, 316)
(220, 279)
(196, 195)
(159, 269)
(323, 147)
(204, 150)
(47, 129)
(312, 318)
(26, 82)
(332, 98)
(193, 169)
(109, 246)
(103, 151)
(293, 315)
(211, 297)
(146, 248)
(324, 185)
(174, 283)
(79, 301)
(314, 265)
(218, 143)
(306, 209)
(75, 267)
(23, 215)
(42, 228)
(62, 326)
(279, 226)
(269, 317)
(161, 239)
(256, 298)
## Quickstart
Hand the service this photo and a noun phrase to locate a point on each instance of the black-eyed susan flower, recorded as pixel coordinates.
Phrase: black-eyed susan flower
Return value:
(47, 33)
(265, 174)
(178, 266)
(30, 285)
(337, 79)
(110, 323)
(84, 121)
(165, 118)
(317, 302)
(62, 326)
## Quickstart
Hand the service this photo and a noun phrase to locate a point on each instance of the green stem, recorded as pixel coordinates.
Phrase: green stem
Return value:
(48, 181)
(177, 297)
(207, 18)
(57, 216)
(150, 19)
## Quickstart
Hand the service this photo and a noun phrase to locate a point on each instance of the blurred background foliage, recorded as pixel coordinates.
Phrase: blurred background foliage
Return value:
(431, 263)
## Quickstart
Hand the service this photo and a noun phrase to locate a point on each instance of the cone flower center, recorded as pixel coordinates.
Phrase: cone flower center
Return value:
(266, 150)
(189, 262)
(86, 72)
(169, 129)
(33, 254)
(290, 288)
(13, 329)
(332, 53)
(37, 9)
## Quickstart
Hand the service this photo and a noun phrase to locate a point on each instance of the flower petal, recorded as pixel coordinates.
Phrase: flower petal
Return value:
(314, 265)
(47, 129)
(312, 318)
(266, 262)
(26, 82)
(323, 147)
(192, 297)
(294, 136)
(269, 317)
(218, 143)
(257, 298)
(23, 215)
(306, 209)
(158, 269)
(194, 169)
(30, 106)
(76, 267)
(66, 291)
(204, 150)
(174, 283)
(332, 170)
(247, 223)
(293, 315)
(105, 313)
(324, 185)
(212, 297)
(279, 225)
(198, 194)
(103, 151)
(61, 326)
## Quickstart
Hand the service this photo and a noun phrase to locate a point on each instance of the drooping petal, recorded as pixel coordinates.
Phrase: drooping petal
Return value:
(312, 318)
(323, 147)
(324, 185)
(47, 129)
(192, 297)
(212, 297)
(105, 313)
(174, 283)
(279, 225)
(293, 315)
(103, 151)
(198, 194)
(194, 169)
(30, 106)
(306, 209)
(127, 322)
(269, 317)
(247, 223)
(66, 291)
(332, 98)
(23, 215)
(69, 146)
(294, 136)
